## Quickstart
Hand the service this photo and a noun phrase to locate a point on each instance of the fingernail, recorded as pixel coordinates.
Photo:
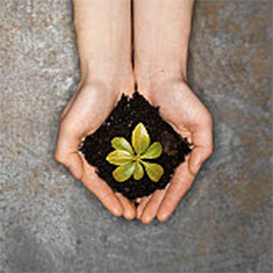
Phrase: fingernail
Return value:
(117, 212)
(162, 217)
(129, 215)
(146, 220)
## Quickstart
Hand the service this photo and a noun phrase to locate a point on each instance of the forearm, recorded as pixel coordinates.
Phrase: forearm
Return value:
(103, 38)
(162, 47)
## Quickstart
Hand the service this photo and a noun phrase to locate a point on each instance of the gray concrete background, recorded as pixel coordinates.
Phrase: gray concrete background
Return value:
(50, 223)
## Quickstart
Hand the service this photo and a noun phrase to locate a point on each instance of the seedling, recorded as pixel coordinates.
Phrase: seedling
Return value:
(132, 159)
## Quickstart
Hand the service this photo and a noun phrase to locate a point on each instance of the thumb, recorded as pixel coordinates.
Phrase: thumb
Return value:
(203, 147)
(197, 157)
(75, 165)
(67, 153)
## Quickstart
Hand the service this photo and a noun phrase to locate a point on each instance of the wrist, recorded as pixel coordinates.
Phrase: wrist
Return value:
(115, 76)
(160, 68)
(154, 80)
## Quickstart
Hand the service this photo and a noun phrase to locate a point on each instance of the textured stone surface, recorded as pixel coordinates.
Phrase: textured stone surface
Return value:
(50, 223)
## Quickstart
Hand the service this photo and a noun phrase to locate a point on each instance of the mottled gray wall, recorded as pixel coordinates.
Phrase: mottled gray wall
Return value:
(50, 223)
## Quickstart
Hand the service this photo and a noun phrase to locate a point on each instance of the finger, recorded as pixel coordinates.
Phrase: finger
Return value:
(103, 192)
(150, 211)
(129, 211)
(67, 152)
(203, 147)
(141, 206)
(74, 163)
(179, 185)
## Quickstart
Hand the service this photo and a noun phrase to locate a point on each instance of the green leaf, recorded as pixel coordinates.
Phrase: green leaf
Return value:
(119, 157)
(120, 143)
(154, 151)
(123, 172)
(140, 138)
(154, 170)
(139, 171)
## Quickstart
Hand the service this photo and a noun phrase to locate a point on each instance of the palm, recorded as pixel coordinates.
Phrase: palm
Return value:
(88, 108)
(180, 107)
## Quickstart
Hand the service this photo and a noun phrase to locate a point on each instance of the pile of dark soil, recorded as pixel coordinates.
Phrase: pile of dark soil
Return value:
(120, 123)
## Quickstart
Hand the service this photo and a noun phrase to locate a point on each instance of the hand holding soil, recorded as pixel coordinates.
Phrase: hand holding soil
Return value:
(105, 63)
(77, 121)
(188, 116)
(165, 105)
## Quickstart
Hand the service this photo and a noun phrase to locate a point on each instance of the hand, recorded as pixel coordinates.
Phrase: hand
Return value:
(105, 63)
(83, 115)
(160, 67)
(180, 107)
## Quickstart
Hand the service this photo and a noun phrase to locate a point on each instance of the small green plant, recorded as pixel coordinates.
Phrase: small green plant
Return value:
(131, 159)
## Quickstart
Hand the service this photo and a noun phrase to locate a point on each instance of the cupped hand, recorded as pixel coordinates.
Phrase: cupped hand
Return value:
(83, 115)
(181, 108)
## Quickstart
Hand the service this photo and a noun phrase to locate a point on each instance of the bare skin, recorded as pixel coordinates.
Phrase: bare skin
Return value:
(103, 38)
(162, 30)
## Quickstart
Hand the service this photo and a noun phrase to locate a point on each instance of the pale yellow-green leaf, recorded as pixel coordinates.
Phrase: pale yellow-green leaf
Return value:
(139, 171)
(154, 170)
(119, 157)
(154, 151)
(140, 138)
(120, 143)
(123, 172)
